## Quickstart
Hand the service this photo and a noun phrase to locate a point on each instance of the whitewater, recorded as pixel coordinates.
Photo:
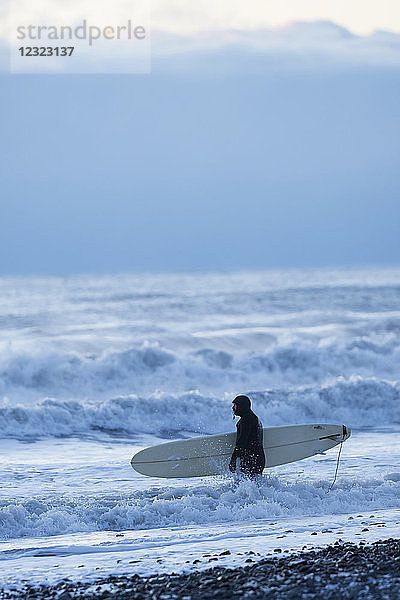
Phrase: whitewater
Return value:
(95, 368)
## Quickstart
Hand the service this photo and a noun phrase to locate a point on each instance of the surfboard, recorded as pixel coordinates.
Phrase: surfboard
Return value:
(210, 455)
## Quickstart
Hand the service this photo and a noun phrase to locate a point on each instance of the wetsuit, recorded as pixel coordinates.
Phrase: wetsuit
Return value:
(249, 444)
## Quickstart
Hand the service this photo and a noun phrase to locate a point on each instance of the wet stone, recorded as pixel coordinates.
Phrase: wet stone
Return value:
(343, 570)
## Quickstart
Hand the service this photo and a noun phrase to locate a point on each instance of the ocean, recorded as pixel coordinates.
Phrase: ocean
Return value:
(95, 368)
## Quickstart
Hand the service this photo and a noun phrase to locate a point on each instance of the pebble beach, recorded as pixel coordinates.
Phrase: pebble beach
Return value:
(342, 570)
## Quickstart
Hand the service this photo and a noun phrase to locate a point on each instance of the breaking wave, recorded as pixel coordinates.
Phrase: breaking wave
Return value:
(357, 402)
(151, 367)
(187, 505)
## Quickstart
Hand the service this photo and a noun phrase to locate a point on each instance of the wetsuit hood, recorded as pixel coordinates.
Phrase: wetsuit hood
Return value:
(242, 405)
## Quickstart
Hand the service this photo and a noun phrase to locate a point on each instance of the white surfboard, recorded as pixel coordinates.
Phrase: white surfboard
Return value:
(210, 455)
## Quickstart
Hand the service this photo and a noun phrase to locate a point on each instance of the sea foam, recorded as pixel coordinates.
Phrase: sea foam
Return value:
(149, 366)
(356, 402)
(214, 502)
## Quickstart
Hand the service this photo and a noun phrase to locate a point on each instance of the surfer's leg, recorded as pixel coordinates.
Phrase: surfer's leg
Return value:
(259, 463)
(248, 467)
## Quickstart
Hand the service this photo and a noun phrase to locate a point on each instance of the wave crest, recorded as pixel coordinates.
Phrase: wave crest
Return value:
(149, 367)
(189, 505)
(357, 402)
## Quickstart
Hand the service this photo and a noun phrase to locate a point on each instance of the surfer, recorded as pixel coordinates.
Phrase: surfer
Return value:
(249, 439)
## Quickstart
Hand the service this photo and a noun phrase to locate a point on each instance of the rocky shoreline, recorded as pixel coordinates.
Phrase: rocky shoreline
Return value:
(343, 570)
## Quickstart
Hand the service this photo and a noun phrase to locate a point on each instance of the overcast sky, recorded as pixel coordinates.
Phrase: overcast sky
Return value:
(357, 15)
(265, 149)
(181, 16)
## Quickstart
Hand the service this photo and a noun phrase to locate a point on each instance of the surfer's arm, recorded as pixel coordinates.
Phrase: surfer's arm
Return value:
(242, 441)
(243, 437)
(235, 454)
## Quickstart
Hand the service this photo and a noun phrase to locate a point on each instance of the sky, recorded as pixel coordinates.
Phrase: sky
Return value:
(357, 15)
(183, 17)
(260, 139)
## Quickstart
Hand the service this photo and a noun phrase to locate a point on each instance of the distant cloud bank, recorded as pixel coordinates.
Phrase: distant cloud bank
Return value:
(295, 45)
(300, 42)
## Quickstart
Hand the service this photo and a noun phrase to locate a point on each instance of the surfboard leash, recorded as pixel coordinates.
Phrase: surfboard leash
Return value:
(337, 468)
